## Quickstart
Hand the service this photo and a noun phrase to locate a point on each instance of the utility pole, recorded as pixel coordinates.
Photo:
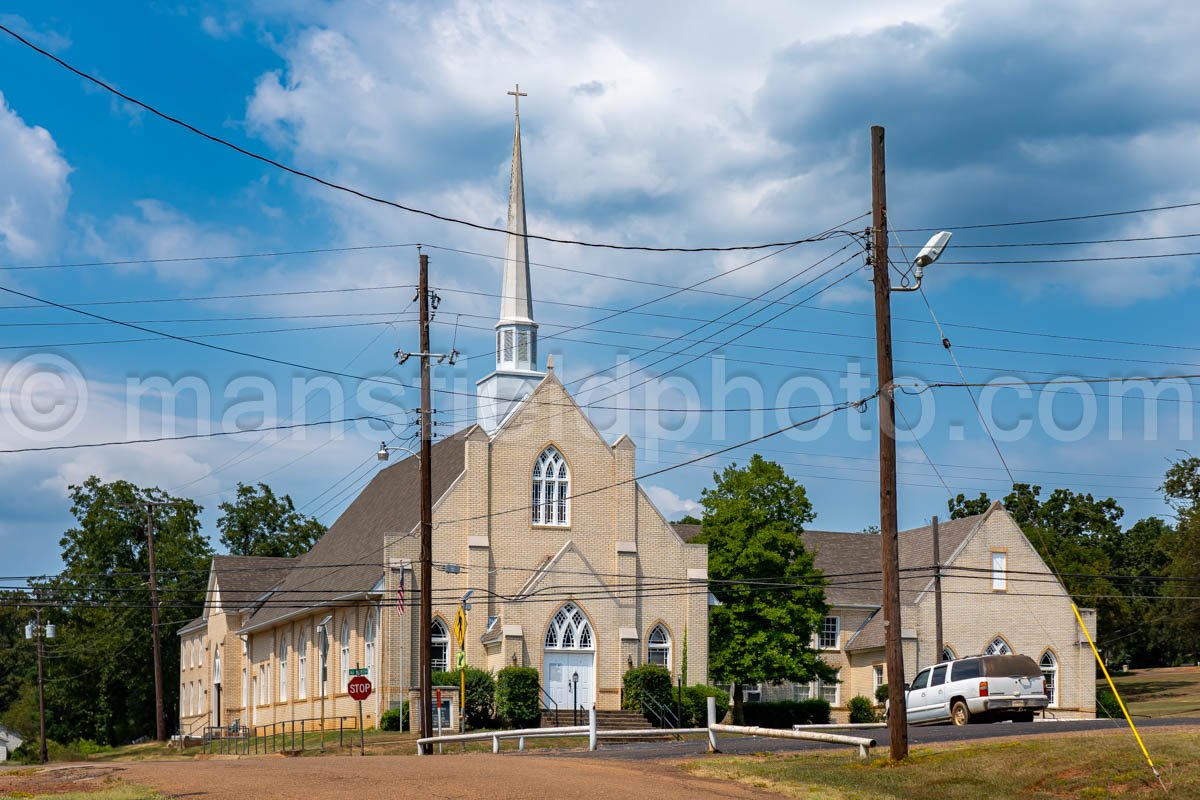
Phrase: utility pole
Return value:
(425, 671)
(937, 588)
(888, 517)
(426, 507)
(41, 632)
(160, 711)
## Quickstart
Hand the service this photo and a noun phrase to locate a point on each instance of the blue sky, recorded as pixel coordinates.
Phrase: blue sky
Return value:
(668, 126)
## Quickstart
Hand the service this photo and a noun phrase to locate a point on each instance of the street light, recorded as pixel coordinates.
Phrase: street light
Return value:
(323, 653)
(385, 451)
(575, 698)
(930, 253)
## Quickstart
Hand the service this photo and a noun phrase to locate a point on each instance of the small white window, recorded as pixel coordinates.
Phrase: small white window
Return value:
(439, 651)
(345, 657)
(302, 667)
(999, 571)
(826, 691)
(877, 675)
(283, 670)
(658, 647)
(831, 629)
(369, 646)
(1049, 665)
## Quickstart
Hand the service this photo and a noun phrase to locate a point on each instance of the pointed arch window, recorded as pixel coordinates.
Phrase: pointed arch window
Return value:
(369, 644)
(439, 651)
(551, 489)
(658, 647)
(570, 630)
(948, 653)
(998, 647)
(1049, 665)
(345, 656)
(302, 667)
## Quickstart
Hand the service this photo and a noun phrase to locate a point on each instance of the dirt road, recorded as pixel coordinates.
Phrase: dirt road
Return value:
(473, 776)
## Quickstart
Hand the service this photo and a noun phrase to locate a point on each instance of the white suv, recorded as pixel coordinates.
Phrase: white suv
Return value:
(980, 688)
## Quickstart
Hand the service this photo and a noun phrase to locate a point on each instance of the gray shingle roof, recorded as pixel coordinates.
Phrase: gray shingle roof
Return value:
(836, 554)
(349, 558)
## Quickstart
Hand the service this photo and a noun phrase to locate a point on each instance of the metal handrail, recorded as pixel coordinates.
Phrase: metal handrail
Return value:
(551, 699)
(666, 717)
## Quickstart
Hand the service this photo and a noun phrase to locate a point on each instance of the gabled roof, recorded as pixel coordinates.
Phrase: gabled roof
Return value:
(242, 580)
(853, 560)
(349, 559)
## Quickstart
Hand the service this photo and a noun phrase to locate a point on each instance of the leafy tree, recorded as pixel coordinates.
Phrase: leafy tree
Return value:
(17, 666)
(258, 523)
(102, 682)
(753, 518)
(1182, 489)
(963, 506)
(687, 520)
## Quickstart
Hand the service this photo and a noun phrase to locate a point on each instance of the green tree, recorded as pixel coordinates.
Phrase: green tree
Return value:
(101, 684)
(753, 518)
(258, 523)
(1181, 487)
(17, 666)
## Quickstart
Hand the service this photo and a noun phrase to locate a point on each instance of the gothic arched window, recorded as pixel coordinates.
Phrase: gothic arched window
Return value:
(439, 639)
(658, 647)
(998, 647)
(569, 630)
(551, 489)
(1049, 666)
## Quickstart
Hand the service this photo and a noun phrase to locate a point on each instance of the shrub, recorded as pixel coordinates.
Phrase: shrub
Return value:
(647, 681)
(1106, 704)
(861, 709)
(786, 713)
(881, 694)
(481, 694)
(394, 719)
(518, 697)
(695, 705)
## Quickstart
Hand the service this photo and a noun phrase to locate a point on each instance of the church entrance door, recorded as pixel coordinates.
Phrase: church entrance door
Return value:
(570, 651)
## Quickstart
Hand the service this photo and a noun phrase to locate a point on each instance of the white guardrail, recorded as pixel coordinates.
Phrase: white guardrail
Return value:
(805, 733)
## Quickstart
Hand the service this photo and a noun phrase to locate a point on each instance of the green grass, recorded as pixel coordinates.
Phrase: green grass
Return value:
(1173, 691)
(1092, 766)
(123, 792)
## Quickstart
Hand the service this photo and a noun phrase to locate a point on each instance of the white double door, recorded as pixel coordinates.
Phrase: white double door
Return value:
(561, 667)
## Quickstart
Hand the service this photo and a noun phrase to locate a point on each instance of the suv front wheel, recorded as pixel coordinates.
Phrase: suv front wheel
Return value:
(959, 713)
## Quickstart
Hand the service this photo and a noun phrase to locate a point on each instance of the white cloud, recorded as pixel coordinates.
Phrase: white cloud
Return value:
(35, 190)
(671, 504)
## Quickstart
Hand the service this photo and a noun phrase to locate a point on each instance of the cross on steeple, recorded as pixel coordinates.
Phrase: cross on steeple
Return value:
(517, 94)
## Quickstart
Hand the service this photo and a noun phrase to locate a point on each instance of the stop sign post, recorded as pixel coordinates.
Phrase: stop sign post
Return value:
(359, 688)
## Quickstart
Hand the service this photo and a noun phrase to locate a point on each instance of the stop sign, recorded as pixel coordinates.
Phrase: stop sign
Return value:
(359, 688)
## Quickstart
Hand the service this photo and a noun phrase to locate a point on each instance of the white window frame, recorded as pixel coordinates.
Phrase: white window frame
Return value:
(999, 646)
(302, 668)
(1052, 671)
(877, 677)
(819, 689)
(551, 489)
(999, 570)
(827, 640)
(283, 670)
(660, 649)
(344, 653)
(369, 644)
(439, 639)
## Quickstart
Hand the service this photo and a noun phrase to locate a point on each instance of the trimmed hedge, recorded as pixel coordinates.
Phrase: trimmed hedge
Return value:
(518, 700)
(481, 695)
(394, 719)
(786, 713)
(648, 680)
(695, 705)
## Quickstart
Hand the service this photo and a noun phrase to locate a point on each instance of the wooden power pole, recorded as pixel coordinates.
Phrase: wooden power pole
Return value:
(426, 510)
(888, 518)
(160, 712)
(937, 589)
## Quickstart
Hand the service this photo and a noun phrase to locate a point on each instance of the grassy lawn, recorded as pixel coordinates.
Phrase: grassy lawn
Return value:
(1091, 766)
(111, 793)
(1173, 691)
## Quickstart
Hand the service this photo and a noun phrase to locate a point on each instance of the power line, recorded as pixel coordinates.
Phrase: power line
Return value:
(1075, 218)
(357, 192)
(1076, 260)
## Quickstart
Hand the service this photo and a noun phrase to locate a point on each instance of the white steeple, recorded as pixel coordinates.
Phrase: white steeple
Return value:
(516, 333)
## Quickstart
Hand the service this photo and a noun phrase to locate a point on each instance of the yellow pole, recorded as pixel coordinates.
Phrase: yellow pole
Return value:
(1117, 695)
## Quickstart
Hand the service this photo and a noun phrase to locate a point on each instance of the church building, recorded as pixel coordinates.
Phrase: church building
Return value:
(571, 568)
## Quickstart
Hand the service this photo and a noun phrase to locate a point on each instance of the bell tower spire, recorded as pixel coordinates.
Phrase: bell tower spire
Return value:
(516, 333)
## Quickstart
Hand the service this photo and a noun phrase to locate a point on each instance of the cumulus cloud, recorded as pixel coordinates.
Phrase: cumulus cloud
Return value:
(671, 504)
(35, 191)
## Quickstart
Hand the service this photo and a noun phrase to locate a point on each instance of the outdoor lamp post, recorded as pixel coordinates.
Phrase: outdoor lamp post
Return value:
(575, 698)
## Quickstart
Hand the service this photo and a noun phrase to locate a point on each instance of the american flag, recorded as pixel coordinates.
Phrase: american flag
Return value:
(400, 595)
